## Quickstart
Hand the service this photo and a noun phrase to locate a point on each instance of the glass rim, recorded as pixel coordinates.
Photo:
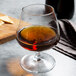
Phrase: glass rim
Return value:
(38, 14)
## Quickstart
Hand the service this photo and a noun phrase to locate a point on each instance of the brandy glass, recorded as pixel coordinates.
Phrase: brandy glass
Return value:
(38, 31)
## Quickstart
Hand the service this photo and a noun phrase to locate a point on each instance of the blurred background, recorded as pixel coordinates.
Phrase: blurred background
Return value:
(13, 7)
(9, 50)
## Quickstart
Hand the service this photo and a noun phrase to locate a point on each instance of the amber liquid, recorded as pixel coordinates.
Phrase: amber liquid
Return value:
(37, 38)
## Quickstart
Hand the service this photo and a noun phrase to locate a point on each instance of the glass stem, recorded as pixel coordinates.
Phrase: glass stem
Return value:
(37, 56)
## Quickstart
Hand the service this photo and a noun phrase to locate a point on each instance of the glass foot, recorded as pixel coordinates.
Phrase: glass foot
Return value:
(43, 64)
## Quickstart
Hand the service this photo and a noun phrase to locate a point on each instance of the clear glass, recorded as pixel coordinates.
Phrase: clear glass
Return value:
(38, 31)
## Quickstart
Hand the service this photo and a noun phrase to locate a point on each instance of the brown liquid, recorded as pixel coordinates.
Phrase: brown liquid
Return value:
(37, 38)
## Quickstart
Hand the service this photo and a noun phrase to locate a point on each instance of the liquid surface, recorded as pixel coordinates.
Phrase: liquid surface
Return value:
(37, 33)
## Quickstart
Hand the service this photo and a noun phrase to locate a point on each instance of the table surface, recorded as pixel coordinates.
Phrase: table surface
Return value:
(11, 51)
